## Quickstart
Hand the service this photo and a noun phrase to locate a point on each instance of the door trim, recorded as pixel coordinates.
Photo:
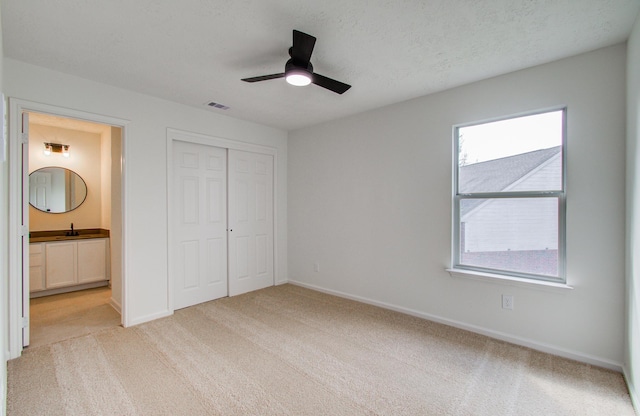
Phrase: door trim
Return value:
(197, 138)
(16, 264)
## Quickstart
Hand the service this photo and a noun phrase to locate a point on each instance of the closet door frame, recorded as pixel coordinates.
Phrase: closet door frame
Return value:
(190, 137)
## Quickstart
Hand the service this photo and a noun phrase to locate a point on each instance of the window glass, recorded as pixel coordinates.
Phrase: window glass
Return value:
(501, 156)
(511, 234)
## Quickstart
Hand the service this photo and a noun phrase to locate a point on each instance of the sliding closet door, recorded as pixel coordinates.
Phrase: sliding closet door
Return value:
(199, 206)
(250, 221)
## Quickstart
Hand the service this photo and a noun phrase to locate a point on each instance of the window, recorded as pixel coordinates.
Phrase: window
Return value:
(509, 196)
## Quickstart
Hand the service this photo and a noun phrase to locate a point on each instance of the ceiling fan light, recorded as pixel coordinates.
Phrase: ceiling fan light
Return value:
(298, 78)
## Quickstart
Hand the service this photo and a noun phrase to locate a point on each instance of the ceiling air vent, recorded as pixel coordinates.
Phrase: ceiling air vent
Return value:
(217, 105)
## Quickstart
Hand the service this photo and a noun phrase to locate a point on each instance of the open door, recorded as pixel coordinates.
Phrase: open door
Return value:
(24, 234)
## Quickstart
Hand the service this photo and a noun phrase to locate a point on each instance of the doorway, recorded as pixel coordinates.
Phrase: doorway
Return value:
(19, 264)
(79, 185)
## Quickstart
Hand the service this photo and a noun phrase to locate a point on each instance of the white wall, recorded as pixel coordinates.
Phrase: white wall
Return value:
(632, 352)
(370, 201)
(4, 249)
(145, 154)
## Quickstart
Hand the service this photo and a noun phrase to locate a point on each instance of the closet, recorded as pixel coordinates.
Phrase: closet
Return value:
(221, 211)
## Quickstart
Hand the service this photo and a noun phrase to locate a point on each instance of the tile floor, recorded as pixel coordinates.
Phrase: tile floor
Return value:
(69, 315)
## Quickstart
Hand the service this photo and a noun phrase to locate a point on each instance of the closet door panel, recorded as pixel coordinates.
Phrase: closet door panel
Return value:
(250, 221)
(199, 211)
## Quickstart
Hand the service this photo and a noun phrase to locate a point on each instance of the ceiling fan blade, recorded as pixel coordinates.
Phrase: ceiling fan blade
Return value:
(263, 77)
(302, 47)
(330, 84)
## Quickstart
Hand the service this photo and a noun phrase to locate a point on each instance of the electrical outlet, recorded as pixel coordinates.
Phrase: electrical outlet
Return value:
(507, 302)
(316, 267)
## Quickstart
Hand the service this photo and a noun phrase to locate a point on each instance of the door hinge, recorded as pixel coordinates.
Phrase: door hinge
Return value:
(24, 230)
(24, 137)
(25, 322)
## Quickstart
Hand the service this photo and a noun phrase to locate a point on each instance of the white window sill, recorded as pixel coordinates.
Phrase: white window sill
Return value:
(512, 280)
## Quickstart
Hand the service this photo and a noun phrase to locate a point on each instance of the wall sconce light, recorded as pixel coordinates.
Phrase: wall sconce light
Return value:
(56, 148)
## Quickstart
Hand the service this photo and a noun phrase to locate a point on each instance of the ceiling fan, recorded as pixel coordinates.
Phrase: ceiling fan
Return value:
(299, 71)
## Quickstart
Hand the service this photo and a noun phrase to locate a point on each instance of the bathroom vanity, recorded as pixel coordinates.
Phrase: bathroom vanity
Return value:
(64, 260)
(63, 263)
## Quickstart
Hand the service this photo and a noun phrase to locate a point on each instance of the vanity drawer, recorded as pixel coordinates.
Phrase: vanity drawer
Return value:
(36, 267)
(36, 254)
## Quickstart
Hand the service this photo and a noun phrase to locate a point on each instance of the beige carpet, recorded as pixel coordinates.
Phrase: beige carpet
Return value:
(291, 351)
(68, 315)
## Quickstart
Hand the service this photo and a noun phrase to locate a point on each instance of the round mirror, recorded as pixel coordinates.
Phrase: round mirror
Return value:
(56, 190)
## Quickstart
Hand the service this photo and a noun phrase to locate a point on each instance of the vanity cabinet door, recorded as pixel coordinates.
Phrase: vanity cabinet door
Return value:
(92, 260)
(60, 261)
(36, 267)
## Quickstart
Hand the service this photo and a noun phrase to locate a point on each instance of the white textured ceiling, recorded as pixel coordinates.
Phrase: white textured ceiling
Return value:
(196, 51)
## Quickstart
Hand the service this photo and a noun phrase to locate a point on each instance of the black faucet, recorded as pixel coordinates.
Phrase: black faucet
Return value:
(72, 233)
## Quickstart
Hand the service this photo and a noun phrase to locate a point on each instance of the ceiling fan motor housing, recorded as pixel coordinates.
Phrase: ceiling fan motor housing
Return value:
(292, 67)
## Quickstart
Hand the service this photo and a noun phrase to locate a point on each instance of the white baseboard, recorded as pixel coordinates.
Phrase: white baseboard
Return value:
(115, 305)
(635, 397)
(147, 318)
(3, 381)
(547, 348)
(68, 289)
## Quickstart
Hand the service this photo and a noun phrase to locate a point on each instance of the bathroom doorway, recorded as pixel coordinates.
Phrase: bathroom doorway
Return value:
(74, 273)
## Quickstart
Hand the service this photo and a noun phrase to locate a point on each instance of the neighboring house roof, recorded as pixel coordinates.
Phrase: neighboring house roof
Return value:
(498, 174)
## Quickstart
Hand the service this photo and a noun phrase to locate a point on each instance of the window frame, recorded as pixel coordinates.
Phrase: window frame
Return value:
(560, 195)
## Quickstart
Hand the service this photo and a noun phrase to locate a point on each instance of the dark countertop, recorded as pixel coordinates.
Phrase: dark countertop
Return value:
(60, 235)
